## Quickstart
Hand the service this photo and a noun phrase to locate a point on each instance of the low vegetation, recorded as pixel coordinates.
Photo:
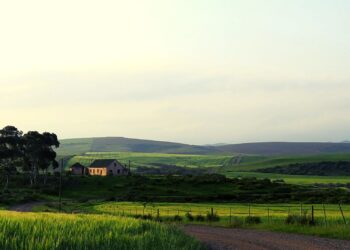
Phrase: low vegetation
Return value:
(324, 168)
(41, 231)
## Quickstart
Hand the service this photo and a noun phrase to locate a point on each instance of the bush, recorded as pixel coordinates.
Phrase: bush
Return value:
(212, 217)
(253, 220)
(199, 217)
(189, 216)
(177, 218)
(147, 217)
(300, 220)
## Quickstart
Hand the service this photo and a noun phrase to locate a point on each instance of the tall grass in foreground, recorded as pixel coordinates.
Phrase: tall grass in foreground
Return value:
(39, 231)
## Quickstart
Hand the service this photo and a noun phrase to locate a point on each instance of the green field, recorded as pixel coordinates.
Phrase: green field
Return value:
(293, 179)
(224, 164)
(251, 163)
(328, 218)
(42, 231)
(149, 159)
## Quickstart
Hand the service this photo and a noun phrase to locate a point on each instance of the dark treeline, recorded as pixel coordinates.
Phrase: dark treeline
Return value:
(30, 154)
(325, 168)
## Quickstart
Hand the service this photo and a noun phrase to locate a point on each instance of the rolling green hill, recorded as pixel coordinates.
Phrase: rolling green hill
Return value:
(121, 144)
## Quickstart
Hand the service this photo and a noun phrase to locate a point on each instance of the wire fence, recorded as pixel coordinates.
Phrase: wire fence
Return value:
(323, 214)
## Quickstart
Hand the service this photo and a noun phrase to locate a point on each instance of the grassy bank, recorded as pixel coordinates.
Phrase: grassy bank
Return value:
(41, 231)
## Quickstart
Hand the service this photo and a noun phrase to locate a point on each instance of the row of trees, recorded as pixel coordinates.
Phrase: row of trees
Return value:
(29, 153)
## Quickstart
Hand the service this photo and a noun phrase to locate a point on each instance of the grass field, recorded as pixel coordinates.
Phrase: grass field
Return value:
(224, 164)
(276, 211)
(293, 179)
(41, 231)
(251, 163)
(329, 220)
(148, 159)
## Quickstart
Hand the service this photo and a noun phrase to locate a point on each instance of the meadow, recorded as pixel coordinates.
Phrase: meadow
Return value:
(329, 221)
(292, 179)
(41, 231)
(229, 165)
(151, 159)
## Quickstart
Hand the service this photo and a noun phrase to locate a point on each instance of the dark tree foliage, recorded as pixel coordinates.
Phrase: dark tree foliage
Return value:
(11, 150)
(39, 153)
(30, 153)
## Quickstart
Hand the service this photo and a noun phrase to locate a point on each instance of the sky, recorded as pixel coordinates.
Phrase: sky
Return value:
(192, 71)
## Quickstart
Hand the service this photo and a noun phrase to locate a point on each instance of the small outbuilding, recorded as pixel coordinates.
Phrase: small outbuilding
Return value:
(79, 169)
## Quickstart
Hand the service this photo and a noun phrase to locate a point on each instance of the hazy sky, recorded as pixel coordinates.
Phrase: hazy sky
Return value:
(194, 71)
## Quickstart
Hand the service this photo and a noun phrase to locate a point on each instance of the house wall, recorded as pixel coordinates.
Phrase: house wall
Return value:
(77, 171)
(98, 171)
(116, 169)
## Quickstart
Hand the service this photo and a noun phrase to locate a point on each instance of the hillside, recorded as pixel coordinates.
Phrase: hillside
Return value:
(121, 144)
(286, 148)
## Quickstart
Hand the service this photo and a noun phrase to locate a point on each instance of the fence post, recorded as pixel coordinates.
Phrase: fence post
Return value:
(324, 214)
(342, 214)
(268, 215)
(230, 215)
(301, 210)
(249, 209)
(312, 215)
(212, 211)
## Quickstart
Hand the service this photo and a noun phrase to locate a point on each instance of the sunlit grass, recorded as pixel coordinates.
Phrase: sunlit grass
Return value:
(39, 231)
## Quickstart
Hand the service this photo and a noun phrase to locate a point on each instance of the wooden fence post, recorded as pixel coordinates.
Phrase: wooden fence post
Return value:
(230, 215)
(268, 215)
(249, 209)
(342, 214)
(312, 215)
(324, 214)
(212, 211)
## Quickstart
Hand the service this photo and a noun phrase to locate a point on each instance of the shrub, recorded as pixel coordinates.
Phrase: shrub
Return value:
(177, 218)
(212, 217)
(199, 217)
(147, 217)
(253, 220)
(301, 220)
(189, 216)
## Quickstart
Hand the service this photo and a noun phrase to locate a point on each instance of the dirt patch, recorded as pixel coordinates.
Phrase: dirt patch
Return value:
(246, 239)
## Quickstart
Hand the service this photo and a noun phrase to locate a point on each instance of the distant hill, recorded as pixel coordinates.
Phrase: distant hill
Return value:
(121, 144)
(287, 148)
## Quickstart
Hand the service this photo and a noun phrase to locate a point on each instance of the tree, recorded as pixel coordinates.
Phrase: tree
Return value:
(39, 153)
(10, 151)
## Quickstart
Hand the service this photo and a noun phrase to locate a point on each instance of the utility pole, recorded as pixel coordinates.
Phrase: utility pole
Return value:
(60, 187)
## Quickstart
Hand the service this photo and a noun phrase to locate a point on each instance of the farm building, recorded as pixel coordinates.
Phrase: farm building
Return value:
(106, 167)
(79, 169)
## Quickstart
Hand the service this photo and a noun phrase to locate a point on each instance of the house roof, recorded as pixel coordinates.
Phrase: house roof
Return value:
(102, 163)
(77, 165)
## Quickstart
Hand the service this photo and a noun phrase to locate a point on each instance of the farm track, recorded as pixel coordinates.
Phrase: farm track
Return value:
(245, 239)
